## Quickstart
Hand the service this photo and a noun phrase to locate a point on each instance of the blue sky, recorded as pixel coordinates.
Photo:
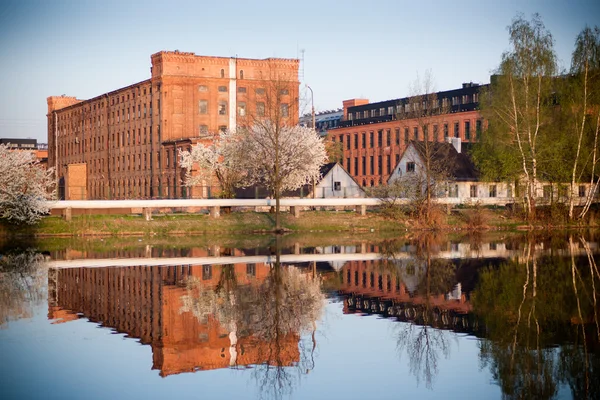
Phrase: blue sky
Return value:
(373, 50)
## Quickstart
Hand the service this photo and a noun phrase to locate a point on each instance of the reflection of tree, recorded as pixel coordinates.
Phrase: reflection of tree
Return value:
(422, 343)
(271, 313)
(527, 306)
(22, 284)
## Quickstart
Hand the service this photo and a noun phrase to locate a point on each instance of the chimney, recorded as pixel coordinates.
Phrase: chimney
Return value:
(455, 141)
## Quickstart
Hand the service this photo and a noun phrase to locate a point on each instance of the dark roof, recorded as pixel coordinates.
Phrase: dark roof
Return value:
(261, 192)
(459, 166)
(325, 168)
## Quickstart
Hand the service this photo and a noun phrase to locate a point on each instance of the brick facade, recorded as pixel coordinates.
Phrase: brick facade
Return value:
(373, 136)
(129, 138)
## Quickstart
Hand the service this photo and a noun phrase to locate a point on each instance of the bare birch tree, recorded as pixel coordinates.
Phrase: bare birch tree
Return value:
(585, 83)
(520, 98)
(422, 114)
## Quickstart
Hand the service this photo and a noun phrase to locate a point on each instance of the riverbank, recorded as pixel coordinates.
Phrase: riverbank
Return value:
(253, 222)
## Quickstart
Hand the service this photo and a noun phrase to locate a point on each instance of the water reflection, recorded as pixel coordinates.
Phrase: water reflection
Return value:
(22, 284)
(264, 316)
(532, 303)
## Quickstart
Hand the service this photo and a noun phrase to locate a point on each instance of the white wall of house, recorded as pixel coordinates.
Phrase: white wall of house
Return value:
(409, 156)
(338, 184)
(480, 190)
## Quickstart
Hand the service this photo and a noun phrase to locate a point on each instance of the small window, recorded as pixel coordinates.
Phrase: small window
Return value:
(251, 269)
(473, 191)
(241, 74)
(222, 73)
(582, 191)
(547, 190)
(492, 192)
(241, 108)
(260, 108)
(203, 129)
(222, 88)
(222, 128)
(203, 88)
(453, 190)
(241, 89)
(203, 106)
(259, 91)
(284, 92)
(337, 186)
(206, 271)
(285, 110)
(410, 166)
(222, 108)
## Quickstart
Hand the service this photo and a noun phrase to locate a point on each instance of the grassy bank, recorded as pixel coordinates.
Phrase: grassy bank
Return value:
(242, 223)
(196, 224)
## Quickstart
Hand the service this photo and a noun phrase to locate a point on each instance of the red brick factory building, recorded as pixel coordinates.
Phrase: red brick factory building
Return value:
(374, 135)
(123, 144)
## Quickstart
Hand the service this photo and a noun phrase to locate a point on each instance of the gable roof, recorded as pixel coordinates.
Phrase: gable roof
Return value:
(260, 192)
(325, 168)
(459, 166)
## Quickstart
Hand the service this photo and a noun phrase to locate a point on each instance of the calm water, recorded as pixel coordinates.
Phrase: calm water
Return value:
(480, 317)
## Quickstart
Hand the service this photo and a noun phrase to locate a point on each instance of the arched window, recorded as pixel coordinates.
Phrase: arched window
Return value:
(241, 74)
(222, 73)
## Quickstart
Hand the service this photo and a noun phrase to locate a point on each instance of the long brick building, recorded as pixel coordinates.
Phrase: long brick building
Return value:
(123, 144)
(373, 136)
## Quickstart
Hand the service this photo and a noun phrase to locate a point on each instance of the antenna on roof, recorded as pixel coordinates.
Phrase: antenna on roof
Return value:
(301, 72)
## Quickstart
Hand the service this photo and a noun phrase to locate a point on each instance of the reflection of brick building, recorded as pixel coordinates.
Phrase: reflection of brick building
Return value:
(145, 303)
(374, 135)
(396, 283)
(128, 138)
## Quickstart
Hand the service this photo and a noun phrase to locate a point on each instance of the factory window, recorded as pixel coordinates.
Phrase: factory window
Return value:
(285, 110)
(222, 88)
(222, 73)
(203, 88)
(241, 74)
(222, 128)
(241, 89)
(241, 108)
(203, 129)
(203, 106)
(260, 108)
(260, 90)
(222, 108)
(467, 130)
(284, 92)
(456, 129)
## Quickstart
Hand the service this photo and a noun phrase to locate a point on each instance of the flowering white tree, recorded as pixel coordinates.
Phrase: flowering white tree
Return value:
(281, 157)
(25, 187)
(218, 159)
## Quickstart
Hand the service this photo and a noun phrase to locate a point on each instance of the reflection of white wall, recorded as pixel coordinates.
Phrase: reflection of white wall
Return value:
(410, 272)
(337, 265)
(456, 293)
